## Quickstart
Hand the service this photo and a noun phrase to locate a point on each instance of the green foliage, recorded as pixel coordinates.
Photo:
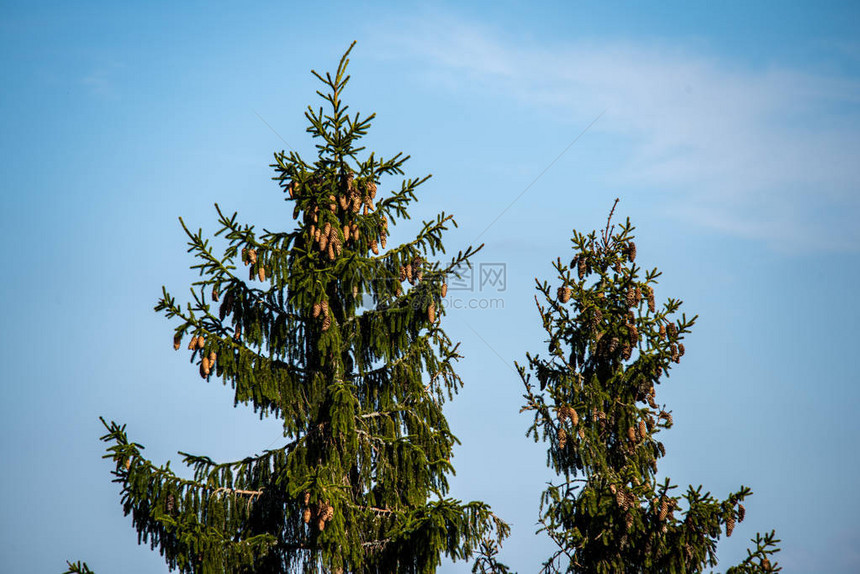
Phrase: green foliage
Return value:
(324, 335)
(610, 345)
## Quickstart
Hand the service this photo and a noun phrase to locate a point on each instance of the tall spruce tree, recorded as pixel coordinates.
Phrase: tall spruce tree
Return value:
(595, 403)
(338, 335)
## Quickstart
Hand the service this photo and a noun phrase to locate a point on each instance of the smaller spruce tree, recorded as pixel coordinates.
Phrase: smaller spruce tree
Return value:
(595, 403)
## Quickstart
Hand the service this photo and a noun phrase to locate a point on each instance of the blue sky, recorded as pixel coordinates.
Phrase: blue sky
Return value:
(729, 131)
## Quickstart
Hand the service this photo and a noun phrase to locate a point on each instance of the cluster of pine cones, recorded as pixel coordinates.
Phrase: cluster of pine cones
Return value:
(249, 258)
(331, 236)
(320, 512)
(198, 343)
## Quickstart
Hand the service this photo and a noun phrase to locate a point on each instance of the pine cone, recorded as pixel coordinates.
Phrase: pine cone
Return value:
(331, 255)
(402, 273)
(662, 331)
(347, 231)
(343, 201)
(306, 515)
(326, 323)
(356, 204)
(681, 349)
(252, 256)
(581, 267)
(631, 297)
(564, 294)
(631, 434)
(316, 310)
(170, 504)
(201, 342)
(321, 524)
(581, 432)
(672, 330)
(409, 273)
(620, 498)
(383, 240)
(215, 294)
(323, 242)
(730, 524)
(664, 510)
(631, 251)
(374, 247)
(177, 341)
(212, 357)
(306, 498)
(192, 344)
(261, 273)
(444, 290)
(634, 334)
(562, 437)
(643, 429)
(355, 233)
(324, 308)
(371, 189)
(742, 512)
(628, 520)
(431, 312)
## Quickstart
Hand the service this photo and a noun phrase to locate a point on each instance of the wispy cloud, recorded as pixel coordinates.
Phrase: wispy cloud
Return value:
(770, 154)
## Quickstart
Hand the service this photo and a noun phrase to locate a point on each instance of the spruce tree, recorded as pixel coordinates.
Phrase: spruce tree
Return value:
(338, 334)
(595, 402)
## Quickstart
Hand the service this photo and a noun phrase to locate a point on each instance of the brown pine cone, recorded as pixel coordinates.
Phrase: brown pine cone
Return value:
(371, 189)
(631, 297)
(331, 255)
(581, 267)
(212, 357)
(355, 233)
(201, 342)
(374, 247)
(620, 498)
(383, 240)
(631, 434)
(252, 256)
(681, 349)
(323, 242)
(742, 512)
(347, 231)
(316, 310)
(402, 273)
(662, 331)
(631, 251)
(564, 294)
(664, 510)
(431, 313)
(306, 498)
(730, 524)
(326, 323)
(444, 290)
(177, 341)
(192, 344)
(321, 524)
(562, 437)
(324, 308)
(306, 515)
(643, 429)
(204, 366)
(261, 273)
(409, 273)
(672, 330)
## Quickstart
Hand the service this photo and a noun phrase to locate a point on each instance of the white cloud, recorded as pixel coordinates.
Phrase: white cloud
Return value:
(768, 154)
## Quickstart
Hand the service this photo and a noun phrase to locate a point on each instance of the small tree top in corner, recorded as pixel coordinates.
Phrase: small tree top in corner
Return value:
(610, 345)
